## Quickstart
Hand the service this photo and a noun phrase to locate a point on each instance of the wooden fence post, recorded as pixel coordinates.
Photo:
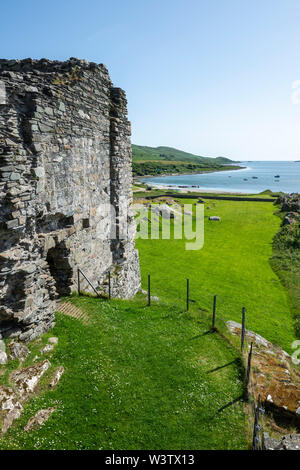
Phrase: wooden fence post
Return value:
(214, 313)
(243, 329)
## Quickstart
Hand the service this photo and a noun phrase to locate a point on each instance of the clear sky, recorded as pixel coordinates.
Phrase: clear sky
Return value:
(212, 77)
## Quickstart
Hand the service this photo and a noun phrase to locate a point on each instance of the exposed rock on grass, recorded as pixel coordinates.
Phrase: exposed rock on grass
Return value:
(27, 379)
(47, 348)
(18, 350)
(273, 375)
(56, 376)
(10, 408)
(39, 419)
(235, 329)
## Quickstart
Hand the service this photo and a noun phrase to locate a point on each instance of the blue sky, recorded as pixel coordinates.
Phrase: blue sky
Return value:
(212, 77)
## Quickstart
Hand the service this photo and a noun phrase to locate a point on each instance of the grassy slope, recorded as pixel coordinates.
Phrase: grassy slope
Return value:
(138, 378)
(234, 264)
(286, 263)
(167, 160)
(143, 153)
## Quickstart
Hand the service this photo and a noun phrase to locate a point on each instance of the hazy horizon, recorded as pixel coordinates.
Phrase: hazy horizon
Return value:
(211, 78)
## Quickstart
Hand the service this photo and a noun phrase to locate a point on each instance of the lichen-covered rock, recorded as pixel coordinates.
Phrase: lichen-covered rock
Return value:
(287, 442)
(56, 376)
(236, 329)
(65, 162)
(18, 350)
(10, 407)
(26, 380)
(273, 375)
(39, 419)
(269, 443)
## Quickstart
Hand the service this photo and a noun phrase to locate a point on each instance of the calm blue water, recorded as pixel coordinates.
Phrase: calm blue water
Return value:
(234, 181)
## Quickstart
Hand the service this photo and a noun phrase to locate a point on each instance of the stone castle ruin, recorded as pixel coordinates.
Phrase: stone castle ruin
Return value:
(65, 154)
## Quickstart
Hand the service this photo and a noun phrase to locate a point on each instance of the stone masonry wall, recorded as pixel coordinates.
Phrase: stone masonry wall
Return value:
(65, 156)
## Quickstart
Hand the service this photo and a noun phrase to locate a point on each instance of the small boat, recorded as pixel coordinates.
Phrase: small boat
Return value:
(277, 176)
(245, 179)
(255, 177)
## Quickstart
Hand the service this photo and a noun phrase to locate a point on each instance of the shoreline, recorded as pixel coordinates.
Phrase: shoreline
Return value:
(191, 188)
(165, 175)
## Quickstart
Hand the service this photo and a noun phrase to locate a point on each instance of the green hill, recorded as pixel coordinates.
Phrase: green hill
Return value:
(167, 160)
(143, 153)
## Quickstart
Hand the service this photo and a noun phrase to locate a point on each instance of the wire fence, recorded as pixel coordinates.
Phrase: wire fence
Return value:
(218, 325)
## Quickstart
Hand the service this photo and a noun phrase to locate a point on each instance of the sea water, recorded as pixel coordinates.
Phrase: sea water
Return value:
(257, 176)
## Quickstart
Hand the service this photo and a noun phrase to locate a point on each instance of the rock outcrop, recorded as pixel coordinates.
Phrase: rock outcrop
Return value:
(288, 442)
(273, 375)
(65, 162)
(39, 419)
(289, 202)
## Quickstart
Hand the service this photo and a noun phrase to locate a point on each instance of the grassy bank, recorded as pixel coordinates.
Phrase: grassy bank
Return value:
(138, 377)
(286, 263)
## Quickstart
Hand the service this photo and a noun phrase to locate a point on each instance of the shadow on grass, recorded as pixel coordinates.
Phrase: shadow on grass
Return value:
(232, 402)
(208, 332)
(235, 361)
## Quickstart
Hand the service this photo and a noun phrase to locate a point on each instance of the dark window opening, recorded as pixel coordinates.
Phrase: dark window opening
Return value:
(60, 269)
(85, 223)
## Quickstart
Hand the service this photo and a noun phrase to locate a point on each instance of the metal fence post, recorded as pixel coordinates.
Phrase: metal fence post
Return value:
(257, 442)
(243, 329)
(149, 290)
(214, 313)
(249, 366)
(78, 280)
(109, 286)
(187, 294)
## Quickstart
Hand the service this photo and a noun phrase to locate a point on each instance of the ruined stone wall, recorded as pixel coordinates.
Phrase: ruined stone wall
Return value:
(65, 155)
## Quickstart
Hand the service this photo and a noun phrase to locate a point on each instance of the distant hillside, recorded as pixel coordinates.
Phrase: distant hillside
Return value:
(141, 153)
(167, 160)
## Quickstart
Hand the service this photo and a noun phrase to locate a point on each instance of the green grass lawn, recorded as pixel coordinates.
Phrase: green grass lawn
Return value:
(156, 377)
(234, 264)
(137, 377)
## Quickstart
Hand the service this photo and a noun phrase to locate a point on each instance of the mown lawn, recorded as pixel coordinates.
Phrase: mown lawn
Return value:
(137, 377)
(234, 264)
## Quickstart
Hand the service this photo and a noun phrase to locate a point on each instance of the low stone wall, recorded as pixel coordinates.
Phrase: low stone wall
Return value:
(221, 198)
